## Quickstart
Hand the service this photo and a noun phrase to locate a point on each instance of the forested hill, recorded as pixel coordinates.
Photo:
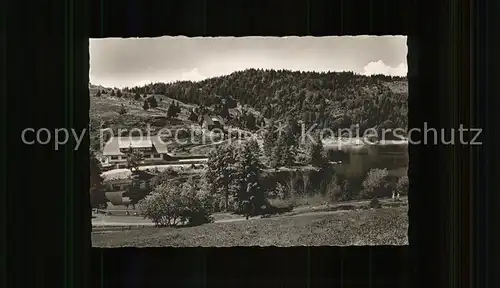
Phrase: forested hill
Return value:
(334, 99)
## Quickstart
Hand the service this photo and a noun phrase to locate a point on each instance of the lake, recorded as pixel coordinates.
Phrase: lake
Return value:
(357, 160)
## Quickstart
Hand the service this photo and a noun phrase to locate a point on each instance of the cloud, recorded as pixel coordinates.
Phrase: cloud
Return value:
(380, 67)
(193, 75)
(142, 83)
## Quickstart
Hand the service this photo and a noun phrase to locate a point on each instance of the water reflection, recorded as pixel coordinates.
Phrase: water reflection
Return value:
(357, 160)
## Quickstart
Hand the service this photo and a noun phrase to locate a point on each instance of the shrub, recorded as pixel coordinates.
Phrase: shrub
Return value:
(182, 134)
(302, 158)
(375, 203)
(280, 191)
(170, 204)
(375, 184)
(123, 110)
(402, 185)
(196, 204)
(134, 159)
(161, 206)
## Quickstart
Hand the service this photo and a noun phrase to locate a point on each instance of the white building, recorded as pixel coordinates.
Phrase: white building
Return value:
(153, 148)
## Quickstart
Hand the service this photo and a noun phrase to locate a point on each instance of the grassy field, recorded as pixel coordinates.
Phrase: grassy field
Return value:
(387, 226)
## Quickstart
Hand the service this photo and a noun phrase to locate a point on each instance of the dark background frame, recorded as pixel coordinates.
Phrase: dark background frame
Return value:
(451, 199)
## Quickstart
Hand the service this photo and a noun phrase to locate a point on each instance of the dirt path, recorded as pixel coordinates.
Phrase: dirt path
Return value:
(135, 221)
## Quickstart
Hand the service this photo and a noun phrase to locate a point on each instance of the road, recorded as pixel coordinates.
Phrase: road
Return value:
(114, 220)
(134, 221)
(104, 221)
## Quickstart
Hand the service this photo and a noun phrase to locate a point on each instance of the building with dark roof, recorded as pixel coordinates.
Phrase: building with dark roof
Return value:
(211, 122)
(153, 148)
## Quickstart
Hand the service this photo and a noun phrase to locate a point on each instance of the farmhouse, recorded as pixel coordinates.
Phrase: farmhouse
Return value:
(153, 148)
(212, 122)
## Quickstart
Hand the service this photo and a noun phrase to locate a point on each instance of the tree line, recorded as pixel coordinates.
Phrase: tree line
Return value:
(335, 100)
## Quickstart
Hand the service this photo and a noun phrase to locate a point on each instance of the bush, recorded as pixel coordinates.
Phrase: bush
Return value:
(375, 204)
(161, 206)
(302, 159)
(123, 110)
(170, 205)
(197, 204)
(402, 185)
(279, 192)
(375, 184)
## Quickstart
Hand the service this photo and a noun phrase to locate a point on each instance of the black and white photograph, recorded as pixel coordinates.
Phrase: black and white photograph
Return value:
(248, 141)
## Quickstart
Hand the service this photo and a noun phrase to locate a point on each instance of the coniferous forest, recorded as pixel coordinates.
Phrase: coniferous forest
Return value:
(332, 100)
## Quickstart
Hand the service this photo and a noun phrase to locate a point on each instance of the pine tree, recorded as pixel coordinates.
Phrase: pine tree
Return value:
(221, 173)
(316, 157)
(289, 143)
(250, 122)
(177, 108)
(278, 152)
(137, 96)
(112, 92)
(119, 93)
(282, 151)
(97, 194)
(173, 110)
(193, 116)
(224, 112)
(145, 106)
(269, 140)
(134, 159)
(248, 172)
(152, 102)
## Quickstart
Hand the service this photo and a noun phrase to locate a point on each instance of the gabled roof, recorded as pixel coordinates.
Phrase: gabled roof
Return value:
(161, 147)
(211, 119)
(112, 148)
(134, 142)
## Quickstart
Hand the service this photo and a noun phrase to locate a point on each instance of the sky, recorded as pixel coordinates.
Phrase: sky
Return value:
(128, 62)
